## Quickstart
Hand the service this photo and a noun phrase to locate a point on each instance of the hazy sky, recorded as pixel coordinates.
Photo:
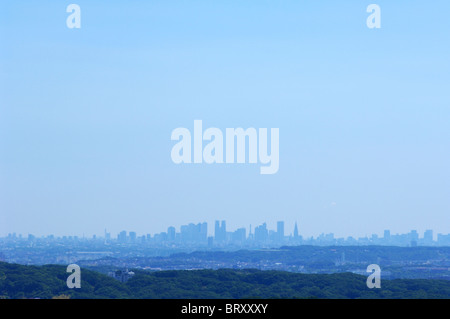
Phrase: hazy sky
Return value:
(86, 115)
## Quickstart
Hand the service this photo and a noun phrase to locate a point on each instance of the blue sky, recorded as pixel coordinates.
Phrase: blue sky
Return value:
(86, 115)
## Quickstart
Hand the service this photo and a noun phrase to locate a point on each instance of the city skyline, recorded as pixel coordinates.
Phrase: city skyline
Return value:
(220, 234)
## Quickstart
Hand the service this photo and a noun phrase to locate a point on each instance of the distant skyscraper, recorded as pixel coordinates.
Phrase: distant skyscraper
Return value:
(261, 233)
(387, 236)
(216, 231)
(203, 232)
(223, 228)
(250, 235)
(220, 231)
(171, 233)
(122, 237)
(187, 232)
(280, 231)
(295, 231)
(194, 233)
(428, 237)
(238, 236)
(414, 235)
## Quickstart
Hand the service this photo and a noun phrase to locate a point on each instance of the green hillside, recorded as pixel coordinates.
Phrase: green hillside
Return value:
(18, 281)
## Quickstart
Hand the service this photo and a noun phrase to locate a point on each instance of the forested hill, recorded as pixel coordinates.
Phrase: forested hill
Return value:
(18, 281)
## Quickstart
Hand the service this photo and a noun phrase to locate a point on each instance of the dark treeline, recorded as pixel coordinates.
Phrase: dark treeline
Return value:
(18, 281)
